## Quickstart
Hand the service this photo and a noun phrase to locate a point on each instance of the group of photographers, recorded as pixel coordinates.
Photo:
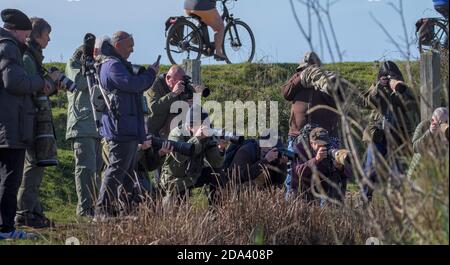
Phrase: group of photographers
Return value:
(121, 128)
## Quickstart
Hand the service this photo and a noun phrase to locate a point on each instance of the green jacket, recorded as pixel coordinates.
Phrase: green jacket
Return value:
(181, 172)
(159, 99)
(80, 120)
(425, 143)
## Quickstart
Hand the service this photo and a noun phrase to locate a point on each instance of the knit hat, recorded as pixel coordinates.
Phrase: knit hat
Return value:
(15, 20)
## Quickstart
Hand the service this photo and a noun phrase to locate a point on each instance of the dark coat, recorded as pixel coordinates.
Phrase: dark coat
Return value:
(17, 110)
(126, 122)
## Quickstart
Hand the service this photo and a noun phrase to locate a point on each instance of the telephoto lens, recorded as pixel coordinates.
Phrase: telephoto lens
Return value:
(69, 84)
(182, 148)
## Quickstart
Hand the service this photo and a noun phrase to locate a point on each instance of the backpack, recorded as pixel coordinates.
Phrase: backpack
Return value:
(233, 148)
(425, 31)
(179, 34)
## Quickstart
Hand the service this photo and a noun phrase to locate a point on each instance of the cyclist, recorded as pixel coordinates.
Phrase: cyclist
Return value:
(441, 6)
(207, 11)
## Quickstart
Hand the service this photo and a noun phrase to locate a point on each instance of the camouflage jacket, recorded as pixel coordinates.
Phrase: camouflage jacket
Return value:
(180, 172)
(391, 111)
(310, 87)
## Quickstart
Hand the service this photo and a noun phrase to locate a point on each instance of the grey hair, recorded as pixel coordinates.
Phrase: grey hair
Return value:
(441, 113)
(120, 36)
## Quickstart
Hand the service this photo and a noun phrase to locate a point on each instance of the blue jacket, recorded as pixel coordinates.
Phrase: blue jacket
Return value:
(440, 2)
(125, 122)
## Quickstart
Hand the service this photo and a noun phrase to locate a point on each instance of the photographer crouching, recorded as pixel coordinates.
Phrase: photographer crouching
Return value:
(322, 170)
(181, 173)
(123, 124)
(260, 165)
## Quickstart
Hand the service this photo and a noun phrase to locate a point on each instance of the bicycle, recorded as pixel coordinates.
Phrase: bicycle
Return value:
(432, 34)
(188, 38)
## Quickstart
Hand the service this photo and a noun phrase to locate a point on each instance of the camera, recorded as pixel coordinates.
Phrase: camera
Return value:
(227, 136)
(340, 156)
(397, 85)
(189, 89)
(291, 156)
(182, 148)
(69, 84)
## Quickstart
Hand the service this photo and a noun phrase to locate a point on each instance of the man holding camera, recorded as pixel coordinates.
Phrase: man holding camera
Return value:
(394, 115)
(123, 124)
(321, 171)
(166, 89)
(311, 87)
(81, 131)
(17, 114)
(181, 173)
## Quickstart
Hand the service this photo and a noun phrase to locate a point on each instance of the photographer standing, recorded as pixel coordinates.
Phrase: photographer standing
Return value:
(82, 132)
(17, 114)
(30, 211)
(167, 89)
(320, 171)
(123, 124)
(394, 115)
(181, 173)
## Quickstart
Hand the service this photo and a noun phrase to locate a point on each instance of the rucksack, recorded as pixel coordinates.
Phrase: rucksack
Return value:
(424, 31)
(179, 34)
(233, 148)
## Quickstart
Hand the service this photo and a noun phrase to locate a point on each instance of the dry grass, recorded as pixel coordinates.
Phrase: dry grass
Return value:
(250, 217)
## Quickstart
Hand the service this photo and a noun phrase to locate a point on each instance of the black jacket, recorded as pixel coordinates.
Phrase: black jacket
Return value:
(17, 111)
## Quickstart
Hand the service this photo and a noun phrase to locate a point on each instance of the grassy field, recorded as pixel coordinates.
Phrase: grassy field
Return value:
(260, 224)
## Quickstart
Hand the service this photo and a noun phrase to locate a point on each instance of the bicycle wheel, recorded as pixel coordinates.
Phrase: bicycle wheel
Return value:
(238, 43)
(440, 37)
(183, 42)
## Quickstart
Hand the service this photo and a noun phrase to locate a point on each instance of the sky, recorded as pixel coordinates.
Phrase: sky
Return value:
(278, 38)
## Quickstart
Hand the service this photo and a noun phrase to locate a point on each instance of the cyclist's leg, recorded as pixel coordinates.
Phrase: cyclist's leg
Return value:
(213, 19)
